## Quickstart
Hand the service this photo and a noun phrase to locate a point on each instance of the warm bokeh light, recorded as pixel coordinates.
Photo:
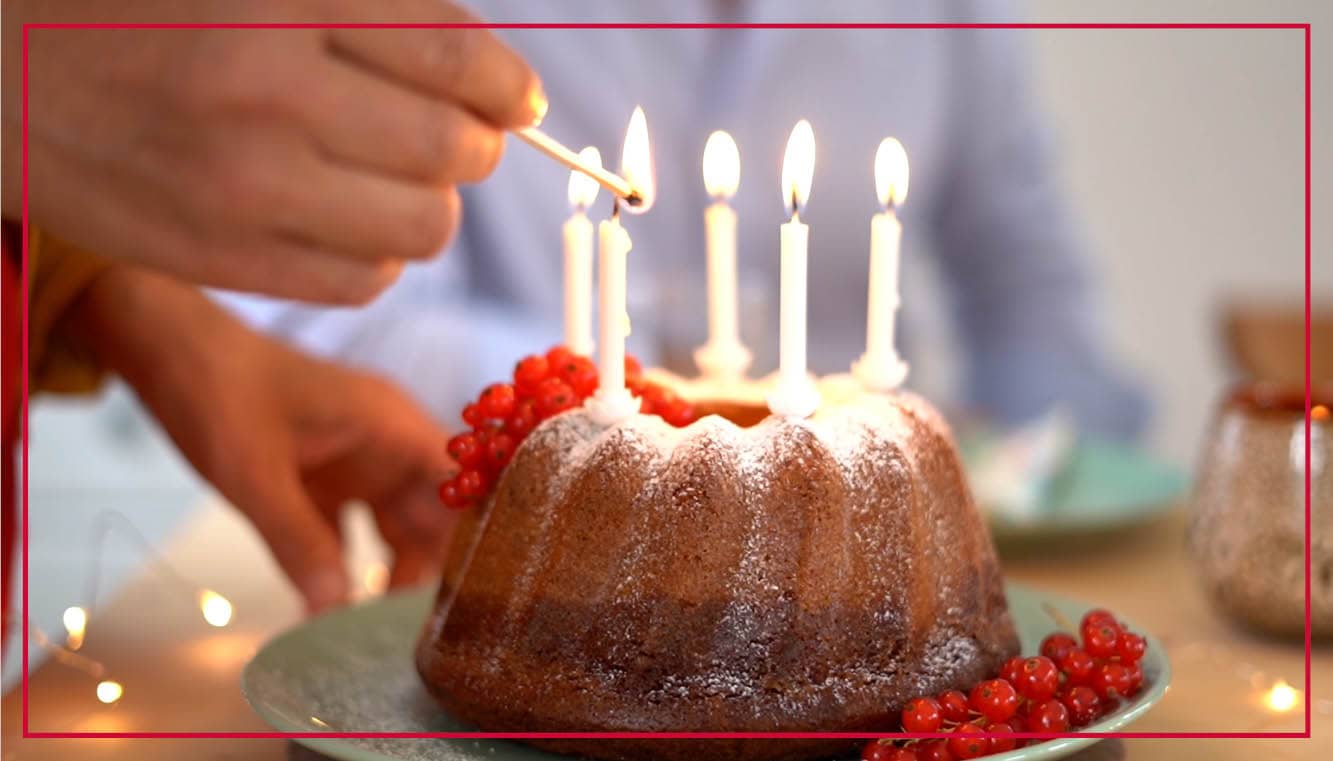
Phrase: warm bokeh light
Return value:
(1282, 697)
(109, 692)
(216, 608)
(582, 188)
(891, 173)
(376, 578)
(75, 620)
(1319, 413)
(798, 167)
(636, 162)
(722, 166)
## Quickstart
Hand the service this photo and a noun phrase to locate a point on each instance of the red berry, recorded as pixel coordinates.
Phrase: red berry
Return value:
(497, 401)
(530, 371)
(677, 412)
(922, 715)
(1048, 716)
(473, 416)
(523, 420)
(580, 374)
(451, 497)
(632, 367)
(1082, 703)
(471, 483)
(1078, 666)
(1130, 647)
(1100, 638)
(934, 750)
(1056, 645)
(1001, 744)
(499, 451)
(1095, 617)
(465, 449)
(968, 742)
(876, 750)
(1111, 681)
(903, 754)
(554, 396)
(1038, 679)
(1011, 669)
(1135, 678)
(557, 356)
(996, 699)
(953, 704)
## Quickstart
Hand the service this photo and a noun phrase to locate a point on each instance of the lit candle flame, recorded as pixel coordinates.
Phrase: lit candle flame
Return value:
(722, 166)
(216, 608)
(636, 163)
(1282, 697)
(798, 167)
(582, 188)
(75, 620)
(376, 578)
(891, 173)
(109, 692)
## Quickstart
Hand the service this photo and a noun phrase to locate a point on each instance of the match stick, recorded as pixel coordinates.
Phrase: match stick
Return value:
(609, 180)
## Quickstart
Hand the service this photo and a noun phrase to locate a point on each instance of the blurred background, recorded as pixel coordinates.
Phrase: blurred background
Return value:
(1183, 152)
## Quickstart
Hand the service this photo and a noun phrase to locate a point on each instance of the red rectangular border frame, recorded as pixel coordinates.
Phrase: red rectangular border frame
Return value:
(656, 735)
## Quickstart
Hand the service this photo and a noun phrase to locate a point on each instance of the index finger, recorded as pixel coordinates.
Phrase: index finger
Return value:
(469, 66)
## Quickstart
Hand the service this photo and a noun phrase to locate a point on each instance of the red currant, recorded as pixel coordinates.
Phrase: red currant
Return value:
(995, 699)
(471, 484)
(473, 416)
(1056, 645)
(497, 401)
(933, 750)
(523, 419)
(1095, 617)
(1135, 678)
(1038, 679)
(499, 451)
(1001, 744)
(465, 450)
(968, 742)
(1048, 716)
(876, 751)
(530, 371)
(554, 396)
(557, 356)
(922, 715)
(1078, 666)
(1101, 639)
(581, 375)
(451, 497)
(1111, 681)
(1082, 703)
(677, 412)
(1011, 669)
(1130, 647)
(953, 704)
(632, 367)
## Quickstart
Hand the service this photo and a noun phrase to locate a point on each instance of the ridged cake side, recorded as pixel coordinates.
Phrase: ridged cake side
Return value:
(791, 576)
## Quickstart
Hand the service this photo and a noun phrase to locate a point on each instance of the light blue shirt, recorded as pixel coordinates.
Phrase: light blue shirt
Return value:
(985, 211)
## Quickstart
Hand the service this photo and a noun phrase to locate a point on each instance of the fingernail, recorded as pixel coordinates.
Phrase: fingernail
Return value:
(324, 590)
(538, 105)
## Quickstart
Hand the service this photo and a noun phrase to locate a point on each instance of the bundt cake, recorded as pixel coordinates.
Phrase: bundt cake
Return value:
(747, 573)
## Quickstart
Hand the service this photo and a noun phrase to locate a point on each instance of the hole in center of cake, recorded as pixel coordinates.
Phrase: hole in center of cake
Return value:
(742, 414)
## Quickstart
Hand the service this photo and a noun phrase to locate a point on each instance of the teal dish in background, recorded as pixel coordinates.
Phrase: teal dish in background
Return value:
(352, 671)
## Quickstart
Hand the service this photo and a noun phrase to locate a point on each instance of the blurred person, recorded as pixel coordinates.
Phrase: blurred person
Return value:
(304, 163)
(986, 210)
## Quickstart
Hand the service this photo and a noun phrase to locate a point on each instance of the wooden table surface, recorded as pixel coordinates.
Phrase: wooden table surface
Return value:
(179, 674)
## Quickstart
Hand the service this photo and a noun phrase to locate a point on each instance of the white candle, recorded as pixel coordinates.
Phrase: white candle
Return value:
(880, 368)
(795, 394)
(723, 357)
(613, 402)
(578, 258)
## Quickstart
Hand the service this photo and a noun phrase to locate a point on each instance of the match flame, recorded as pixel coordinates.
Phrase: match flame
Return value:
(722, 166)
(636, 162)
(891, 173)
(1282, 697)
(216, 608)
(109, 692)
(582, 188)
(75, 620)
(798, 167)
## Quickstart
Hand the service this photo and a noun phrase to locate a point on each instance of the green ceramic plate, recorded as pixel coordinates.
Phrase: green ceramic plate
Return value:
(1105, 487)
(351, 670)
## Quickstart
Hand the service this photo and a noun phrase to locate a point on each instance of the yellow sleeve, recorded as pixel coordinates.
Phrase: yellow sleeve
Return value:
(58, 275)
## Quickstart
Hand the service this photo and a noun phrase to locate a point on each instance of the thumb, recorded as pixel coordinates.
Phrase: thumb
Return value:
(304, 544)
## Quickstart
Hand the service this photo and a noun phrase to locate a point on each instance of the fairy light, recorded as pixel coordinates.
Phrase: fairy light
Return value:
(216, 608)
(1282, 697)
(109, 691)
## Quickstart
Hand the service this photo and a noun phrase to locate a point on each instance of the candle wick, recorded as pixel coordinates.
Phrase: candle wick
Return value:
(615, 209)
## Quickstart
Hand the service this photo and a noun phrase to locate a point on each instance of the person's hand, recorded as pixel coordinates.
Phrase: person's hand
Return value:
(286, 438)
(305, 163)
